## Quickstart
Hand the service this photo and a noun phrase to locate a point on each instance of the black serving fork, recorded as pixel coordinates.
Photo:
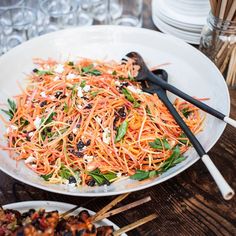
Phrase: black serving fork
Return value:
(146, 74)
(150, 87)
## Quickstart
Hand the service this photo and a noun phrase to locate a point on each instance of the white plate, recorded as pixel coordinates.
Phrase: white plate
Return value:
(190, 71)
(52, 206)
(168, 29)
(191, 19)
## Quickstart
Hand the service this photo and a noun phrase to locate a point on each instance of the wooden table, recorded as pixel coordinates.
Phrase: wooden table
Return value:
(189, 204)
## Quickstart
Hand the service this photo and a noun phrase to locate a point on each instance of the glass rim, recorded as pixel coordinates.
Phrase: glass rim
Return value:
(33, 16)
(42, 8)
(11, 6)
(217, 20)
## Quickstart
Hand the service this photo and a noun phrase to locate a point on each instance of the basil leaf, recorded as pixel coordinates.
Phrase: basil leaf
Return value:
(66, 107)
(182, 139)
(122, 129)
(142, 174)
(89, 70)
(70, 63)
(83, 83)
(46, 177)
(130, 98)
(186, 112)
(44, 72)
(64, 172)
(157, 144)
(102, 178)
(12, 110)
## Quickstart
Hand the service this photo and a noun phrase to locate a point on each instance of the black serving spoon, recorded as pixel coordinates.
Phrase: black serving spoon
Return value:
(150, 87)
(145, 74)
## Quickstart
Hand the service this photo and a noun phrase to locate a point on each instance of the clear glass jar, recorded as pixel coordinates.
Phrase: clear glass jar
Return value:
(218, 42)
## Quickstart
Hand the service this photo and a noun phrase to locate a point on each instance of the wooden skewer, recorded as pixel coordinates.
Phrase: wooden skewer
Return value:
(231, 70)
(231, 11)
(213, 6)
(109, 206)
(218, 8)
(75, 208)
(229, 4)
(222, 9)
(135, 224)
(123, 208)
(219, 54)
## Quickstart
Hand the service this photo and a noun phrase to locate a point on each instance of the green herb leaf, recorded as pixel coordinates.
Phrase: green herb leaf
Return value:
(83, 83)
(46, 177)
(130, 98)
(12, 109)
(157, 144)
(114, 73)
(142, 175)
(122, 129)
(94, 93)
(186, 112)
(89, 70)
(182, 139)
(66, 107)
(44, 72)
(64, 172)
(70, 63)
(174, 159)
(102, 178)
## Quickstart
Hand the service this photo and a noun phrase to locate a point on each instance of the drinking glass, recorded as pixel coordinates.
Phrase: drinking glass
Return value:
(131, 13)
(42, 19)
(18, 24)
(6, 4)
(103, 11)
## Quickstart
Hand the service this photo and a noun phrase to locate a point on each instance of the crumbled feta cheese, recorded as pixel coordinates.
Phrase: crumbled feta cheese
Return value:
(59, 68)
(106, 135)
(80, 92)
(11, 128)
(56, 78)
(134, 90)
(88, 159)
(43, 94)
(71, 76)
(30, 159)
(119, 174)
(34, 166)
(79, 107)
(86, 88)
(31, 134)
(51, 97)
(37, 122)
(75, 130)
(117, 83)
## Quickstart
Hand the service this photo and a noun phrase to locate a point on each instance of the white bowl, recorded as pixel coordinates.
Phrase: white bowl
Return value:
(189, 70)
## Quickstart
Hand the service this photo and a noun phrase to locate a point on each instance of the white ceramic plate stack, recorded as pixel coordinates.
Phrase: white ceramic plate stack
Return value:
(183, 18)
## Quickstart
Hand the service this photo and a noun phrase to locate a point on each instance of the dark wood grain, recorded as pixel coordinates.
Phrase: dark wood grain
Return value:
(189, 204)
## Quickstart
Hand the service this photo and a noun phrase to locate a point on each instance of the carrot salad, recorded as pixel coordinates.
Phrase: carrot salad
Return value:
(87, 122)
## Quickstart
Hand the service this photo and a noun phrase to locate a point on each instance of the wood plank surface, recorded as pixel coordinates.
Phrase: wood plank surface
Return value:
(189, 204)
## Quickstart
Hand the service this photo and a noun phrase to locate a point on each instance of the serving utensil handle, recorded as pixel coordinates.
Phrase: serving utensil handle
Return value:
(230, 121)
(226, 191)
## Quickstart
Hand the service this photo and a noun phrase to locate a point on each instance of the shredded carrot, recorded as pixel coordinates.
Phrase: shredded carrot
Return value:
(69, 116)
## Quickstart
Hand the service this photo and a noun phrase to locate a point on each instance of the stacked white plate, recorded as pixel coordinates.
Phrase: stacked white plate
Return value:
(182, 18)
